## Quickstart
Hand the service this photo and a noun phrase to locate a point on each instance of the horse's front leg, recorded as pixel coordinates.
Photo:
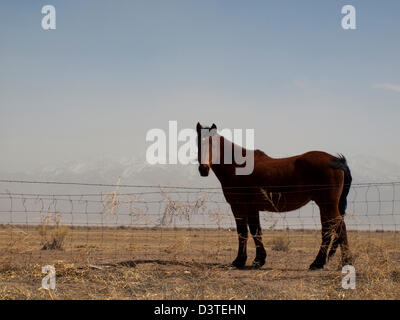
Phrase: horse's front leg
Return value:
(255, 230)
(241, 227)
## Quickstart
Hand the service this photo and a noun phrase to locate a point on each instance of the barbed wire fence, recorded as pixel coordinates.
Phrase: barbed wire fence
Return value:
(117, 223)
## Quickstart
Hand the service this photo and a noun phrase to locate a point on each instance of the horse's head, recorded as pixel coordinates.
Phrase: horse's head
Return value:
(205, 147)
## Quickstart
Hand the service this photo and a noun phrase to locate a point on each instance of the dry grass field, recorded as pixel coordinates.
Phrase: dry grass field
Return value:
(159, 263)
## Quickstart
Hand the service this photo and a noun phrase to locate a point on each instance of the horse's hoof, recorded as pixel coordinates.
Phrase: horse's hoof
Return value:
(257, 264)
(316, 266)
(239, 263)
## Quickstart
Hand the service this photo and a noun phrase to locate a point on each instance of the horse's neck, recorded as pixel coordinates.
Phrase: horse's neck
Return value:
(226, 171)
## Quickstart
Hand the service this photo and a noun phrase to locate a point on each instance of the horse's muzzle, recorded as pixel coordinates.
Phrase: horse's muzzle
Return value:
(204, 170)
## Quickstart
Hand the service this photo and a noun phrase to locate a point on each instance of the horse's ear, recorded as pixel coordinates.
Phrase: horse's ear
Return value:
(213, 126)
(198, 127)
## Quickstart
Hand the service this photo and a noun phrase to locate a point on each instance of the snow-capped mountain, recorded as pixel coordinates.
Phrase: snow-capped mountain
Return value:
(108, 170)
(373, 169)
(136, 171)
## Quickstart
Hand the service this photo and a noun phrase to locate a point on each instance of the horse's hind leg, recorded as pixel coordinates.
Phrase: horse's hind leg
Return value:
(255, 230)
(335, 242)
(241, 227)
(340, 237)
(344, 246)
(330, 218)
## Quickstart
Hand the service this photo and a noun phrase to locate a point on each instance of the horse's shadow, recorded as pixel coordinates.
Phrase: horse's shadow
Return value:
(135, 263)
(220, 266)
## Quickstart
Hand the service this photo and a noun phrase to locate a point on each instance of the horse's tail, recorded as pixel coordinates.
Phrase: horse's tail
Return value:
(340, 163)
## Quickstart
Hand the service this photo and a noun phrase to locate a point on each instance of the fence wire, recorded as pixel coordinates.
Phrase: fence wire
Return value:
(127, 223)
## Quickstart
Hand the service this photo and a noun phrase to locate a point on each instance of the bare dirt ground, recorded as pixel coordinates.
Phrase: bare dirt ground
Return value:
(124, 263)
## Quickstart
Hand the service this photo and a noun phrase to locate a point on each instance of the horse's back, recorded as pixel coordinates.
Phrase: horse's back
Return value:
(297, 179)
(312, 160)
(299, 169)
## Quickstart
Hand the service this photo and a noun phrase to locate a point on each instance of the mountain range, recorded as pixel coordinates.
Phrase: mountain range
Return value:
(136, 171)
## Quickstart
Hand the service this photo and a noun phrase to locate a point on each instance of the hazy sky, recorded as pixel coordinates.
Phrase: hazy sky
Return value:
(112, 70)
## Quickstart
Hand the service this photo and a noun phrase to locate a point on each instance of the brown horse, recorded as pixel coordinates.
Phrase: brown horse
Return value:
(279, 185)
